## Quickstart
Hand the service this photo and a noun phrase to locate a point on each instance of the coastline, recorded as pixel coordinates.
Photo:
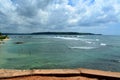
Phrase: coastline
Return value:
(3, 40)
(57, 74)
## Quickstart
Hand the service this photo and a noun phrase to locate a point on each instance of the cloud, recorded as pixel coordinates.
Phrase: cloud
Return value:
(57, 15)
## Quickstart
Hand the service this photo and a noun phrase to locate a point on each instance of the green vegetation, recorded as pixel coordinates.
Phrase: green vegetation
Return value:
(63, 33)
(3, 37)
(51, 33)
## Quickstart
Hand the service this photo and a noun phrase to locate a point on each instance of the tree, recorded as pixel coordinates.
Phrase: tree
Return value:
(0, 33)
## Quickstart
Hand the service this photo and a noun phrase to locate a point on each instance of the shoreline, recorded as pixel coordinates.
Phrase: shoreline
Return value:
(3, 40)
(9, 74)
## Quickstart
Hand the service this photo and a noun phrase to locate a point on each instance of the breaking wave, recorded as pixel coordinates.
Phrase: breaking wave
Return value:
(84, 47)
(67, 38)
(103, 44)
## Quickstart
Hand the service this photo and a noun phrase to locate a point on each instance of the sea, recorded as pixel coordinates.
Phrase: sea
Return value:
(101, 52)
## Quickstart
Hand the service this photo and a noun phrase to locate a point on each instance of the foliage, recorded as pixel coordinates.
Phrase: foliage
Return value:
(3, 37)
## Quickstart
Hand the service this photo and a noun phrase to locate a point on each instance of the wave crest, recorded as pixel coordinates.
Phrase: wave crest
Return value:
(84, 47)
(67, 38)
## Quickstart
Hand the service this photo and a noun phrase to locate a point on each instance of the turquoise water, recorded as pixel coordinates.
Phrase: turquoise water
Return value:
(61, 51)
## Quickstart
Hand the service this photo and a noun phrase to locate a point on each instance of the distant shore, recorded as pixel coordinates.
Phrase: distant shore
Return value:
(51, 33)
(58, 74)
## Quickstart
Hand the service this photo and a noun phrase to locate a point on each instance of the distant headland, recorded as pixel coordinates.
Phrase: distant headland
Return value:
(51, 33)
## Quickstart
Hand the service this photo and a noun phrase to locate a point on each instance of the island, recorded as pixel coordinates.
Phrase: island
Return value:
(51, 33)
(63, 33)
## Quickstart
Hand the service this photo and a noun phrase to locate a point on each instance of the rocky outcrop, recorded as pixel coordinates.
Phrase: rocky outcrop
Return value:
(19, 42)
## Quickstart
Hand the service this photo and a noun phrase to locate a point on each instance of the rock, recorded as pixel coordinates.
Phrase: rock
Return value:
(19, 42)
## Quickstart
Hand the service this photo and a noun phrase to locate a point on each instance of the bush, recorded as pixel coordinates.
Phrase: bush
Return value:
(0, 33)
(2, 37)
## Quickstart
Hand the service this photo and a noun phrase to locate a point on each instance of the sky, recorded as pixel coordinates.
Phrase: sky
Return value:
(94, 16)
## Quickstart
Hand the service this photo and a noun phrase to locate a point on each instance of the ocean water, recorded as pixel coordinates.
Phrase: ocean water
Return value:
(61, 52)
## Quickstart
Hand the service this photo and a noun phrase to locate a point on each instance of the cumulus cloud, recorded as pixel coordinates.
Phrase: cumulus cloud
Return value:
(57, 15)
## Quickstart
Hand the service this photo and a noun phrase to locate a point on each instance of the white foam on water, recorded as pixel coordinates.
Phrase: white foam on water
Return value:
(86, 40)
(67, 38)
(103, 44)
(80, 36)
(89, 42)
(83, 47)
(97, 39)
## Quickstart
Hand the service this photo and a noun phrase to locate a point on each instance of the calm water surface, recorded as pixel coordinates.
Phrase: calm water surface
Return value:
(61, 51)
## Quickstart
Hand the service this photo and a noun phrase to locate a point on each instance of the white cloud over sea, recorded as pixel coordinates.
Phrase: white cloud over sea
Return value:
(58, 15)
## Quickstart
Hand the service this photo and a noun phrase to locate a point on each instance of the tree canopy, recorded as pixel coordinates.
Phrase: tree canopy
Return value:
(0, 33)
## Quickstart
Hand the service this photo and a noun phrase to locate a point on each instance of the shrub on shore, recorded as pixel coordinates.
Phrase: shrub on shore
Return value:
(2, 36)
